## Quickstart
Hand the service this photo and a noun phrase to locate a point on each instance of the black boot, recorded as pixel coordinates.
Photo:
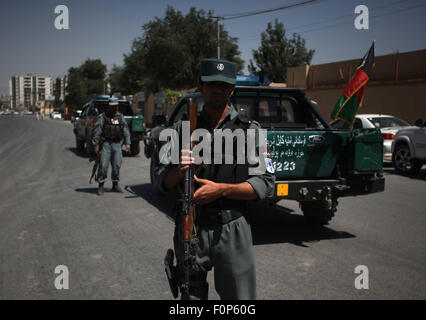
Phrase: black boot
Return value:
(116, 187)
(100, 191)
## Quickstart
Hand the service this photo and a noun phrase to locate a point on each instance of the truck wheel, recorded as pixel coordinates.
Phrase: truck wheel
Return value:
(319, 212)
(402, 161)
(134, 147)
(79, 144)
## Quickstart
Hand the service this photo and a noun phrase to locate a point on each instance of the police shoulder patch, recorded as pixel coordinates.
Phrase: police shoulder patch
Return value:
(269, 165)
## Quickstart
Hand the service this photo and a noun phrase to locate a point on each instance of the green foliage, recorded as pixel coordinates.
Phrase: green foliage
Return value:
(276, 53)
(84, 80)
(170, 50)
(172, 96)
(115, 78)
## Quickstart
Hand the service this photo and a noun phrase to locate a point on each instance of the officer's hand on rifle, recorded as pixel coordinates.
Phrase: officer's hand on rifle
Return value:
(176, 175)
(127, 148)
(185, 160)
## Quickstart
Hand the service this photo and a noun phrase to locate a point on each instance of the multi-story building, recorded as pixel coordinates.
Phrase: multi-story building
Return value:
(60, 88)
(30, 90)
(4, 101)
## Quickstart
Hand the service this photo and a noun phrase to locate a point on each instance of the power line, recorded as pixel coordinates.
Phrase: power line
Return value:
(253, 13)
(342, 17)
(345, 16)
(248, 14)
(374, 16)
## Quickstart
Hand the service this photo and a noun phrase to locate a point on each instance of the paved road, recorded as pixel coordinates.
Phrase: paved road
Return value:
(113, 246)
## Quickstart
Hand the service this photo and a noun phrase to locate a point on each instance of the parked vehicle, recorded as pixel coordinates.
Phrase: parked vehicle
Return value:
(314, 163)
(76, 116)
(409, 148)
(83, 125)
(389, 126)
(55, 115)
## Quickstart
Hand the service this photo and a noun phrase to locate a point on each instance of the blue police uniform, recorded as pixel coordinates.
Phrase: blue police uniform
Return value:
(113, 130)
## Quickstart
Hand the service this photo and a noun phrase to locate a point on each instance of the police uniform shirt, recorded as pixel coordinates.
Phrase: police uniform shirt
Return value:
(263, 184)
(99, 126)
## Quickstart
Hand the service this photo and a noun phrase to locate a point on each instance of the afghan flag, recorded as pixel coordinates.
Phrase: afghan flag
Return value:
(349, 103)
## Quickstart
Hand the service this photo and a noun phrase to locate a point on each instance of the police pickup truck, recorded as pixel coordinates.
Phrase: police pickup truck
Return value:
(314, 163)
(83, 126)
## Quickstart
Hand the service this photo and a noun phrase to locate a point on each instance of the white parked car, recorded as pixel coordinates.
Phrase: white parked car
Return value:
(55, 115)
(409, 148)
(389, 126)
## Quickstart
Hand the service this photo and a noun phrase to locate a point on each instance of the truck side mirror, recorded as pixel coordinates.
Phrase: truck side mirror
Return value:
(419, 123)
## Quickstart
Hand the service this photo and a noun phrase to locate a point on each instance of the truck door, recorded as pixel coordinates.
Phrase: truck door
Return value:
(419, 138)
(299, 146)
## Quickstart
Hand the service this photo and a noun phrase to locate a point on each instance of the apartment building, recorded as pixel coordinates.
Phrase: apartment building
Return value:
(28, 91)
(60, 88)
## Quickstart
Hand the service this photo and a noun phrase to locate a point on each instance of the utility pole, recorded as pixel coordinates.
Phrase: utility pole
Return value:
(218, 35)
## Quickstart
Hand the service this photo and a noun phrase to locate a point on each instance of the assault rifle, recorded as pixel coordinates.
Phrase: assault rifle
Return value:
(185, 218)
(97, 159)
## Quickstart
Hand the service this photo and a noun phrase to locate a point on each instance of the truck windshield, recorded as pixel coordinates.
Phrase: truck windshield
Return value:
(125, 109)
(277, 111)
(386, 122)
(100, 106)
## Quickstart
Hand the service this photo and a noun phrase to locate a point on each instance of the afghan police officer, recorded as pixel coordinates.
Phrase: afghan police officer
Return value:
(223, 229)
(112, 129)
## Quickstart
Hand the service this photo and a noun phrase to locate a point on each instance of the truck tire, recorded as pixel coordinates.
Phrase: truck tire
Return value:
(134, 147)
(79, 144)
(318, 212)
(402, 161)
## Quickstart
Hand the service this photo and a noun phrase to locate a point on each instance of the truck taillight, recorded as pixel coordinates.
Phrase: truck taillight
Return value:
(388, 136)
(94, 121)
(144, 124)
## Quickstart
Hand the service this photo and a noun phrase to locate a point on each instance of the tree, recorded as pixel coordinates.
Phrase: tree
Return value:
(115, 78)
(276, 53)
(75, 87)
(93, 72)
(170, 50)
(86, 79)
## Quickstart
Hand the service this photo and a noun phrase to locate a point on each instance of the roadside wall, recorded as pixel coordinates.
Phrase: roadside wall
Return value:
(397, 86)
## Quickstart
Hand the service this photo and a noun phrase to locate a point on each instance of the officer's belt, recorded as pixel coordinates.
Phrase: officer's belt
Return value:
(212, 215)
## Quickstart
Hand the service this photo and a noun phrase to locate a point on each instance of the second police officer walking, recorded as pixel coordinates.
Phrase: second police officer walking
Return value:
(112, 129)
(224, 234)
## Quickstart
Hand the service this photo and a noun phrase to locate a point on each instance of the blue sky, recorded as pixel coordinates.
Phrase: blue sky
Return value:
(106, 28)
